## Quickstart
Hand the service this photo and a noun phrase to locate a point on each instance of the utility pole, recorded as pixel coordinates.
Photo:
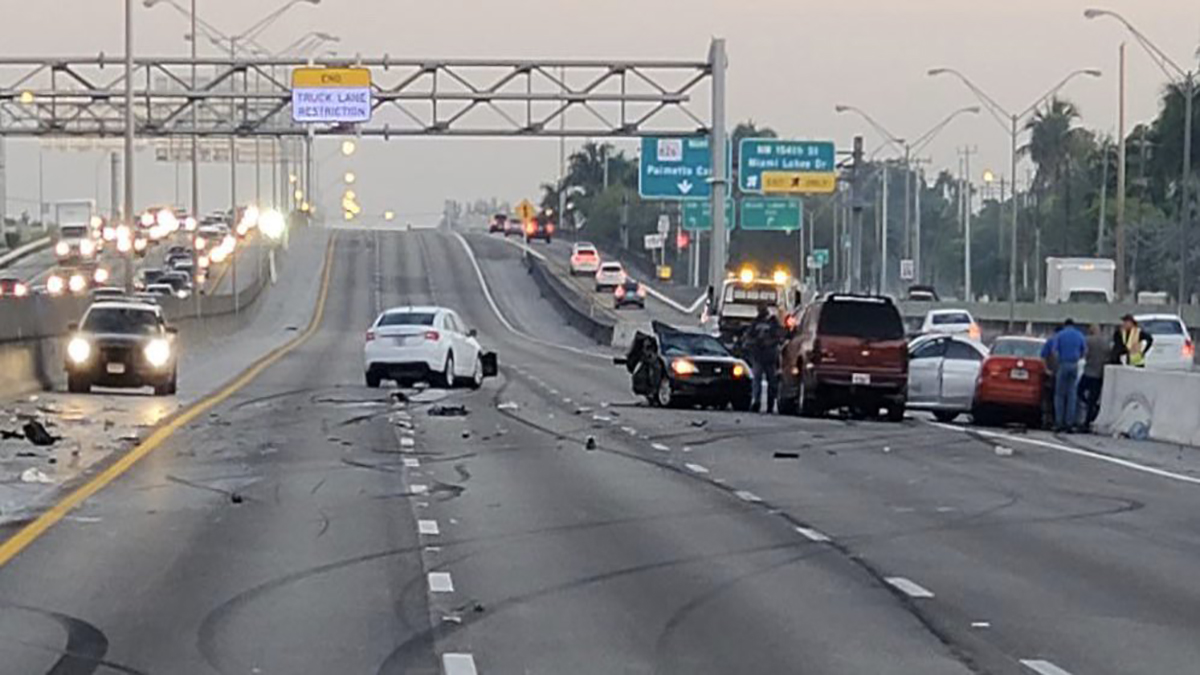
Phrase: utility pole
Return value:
(1119, 228)
(967, 205)
(114, 194)
(1185, 222)
(129, 140)
(916, 253)
(856, 209)
(1103, 200)
(718, 62)
(195, 126)
(883, 234)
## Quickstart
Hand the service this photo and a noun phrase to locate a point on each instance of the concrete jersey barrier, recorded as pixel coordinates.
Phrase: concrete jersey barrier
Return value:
(1154, 404)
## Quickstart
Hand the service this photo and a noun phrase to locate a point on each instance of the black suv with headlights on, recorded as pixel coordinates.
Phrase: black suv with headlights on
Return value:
(122, 344)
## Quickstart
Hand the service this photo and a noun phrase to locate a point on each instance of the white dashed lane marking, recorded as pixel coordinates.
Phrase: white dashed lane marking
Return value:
(406, 442)
(429, 527)
(660, 447)
(811, 534)
(748, 496)
(411, 462)
(458, 664)
(419, 488)
(1043, 667)
(440, 582)
(909, 587)
(696, 468)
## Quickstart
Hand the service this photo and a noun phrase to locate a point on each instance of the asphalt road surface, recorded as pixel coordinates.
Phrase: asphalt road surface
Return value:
(307, 524)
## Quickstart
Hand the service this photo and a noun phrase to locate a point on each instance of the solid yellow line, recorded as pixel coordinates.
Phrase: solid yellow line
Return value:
(28, 534)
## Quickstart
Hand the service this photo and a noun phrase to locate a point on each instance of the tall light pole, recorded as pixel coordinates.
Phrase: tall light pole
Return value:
(1186, 82)
(910, 149)
(129, 139)
(1013, 120)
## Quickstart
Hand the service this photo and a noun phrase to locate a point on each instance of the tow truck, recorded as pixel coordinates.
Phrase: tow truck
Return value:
(732, 309)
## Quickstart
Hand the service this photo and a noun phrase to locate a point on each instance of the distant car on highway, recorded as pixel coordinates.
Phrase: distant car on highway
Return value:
(424, 344)
(540, 227)
(920, 293)
(107, 293)
(159, 291)
(674, 368)
(585, 259)
(629, 294)
(1012, 383)
(942, 371)
(180, 283)
(846, 351)
(122, 344)
(497, 223)
(13, 288)
(513, 227)
(1173, 348)
(75, 243)
(610, 275)
(950, 322)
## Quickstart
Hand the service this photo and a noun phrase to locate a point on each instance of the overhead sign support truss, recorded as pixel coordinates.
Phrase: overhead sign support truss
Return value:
(84, 97)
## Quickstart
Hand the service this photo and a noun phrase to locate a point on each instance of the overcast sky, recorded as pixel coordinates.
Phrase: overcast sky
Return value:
(791, 61)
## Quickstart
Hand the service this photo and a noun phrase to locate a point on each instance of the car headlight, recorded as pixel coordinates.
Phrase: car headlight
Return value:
(54, 285)
(684, 367)
(739, 370)
(77, 284)
(100, 275)
(158, 352)
(139, 244)
(62, 248)
(79, 350)
(87, 247)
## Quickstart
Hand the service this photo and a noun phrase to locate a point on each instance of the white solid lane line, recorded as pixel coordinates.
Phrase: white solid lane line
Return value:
(429, 527)
(660, 447)
(440, 582)
(696, 468)
(812, 535)
(419, 489)
(748, 496)
(909, 588)
(1162, 473)
(411, 462)
(458, 664)
(1043, 667)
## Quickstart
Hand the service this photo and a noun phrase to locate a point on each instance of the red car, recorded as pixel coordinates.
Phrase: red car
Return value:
(1012, 383)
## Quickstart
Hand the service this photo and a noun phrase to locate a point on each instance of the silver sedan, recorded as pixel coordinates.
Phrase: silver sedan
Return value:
(942, 371)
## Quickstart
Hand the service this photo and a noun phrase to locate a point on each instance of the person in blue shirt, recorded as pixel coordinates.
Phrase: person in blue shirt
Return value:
(1069, 348)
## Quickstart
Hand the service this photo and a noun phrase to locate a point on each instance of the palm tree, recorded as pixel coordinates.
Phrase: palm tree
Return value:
(1052, 144)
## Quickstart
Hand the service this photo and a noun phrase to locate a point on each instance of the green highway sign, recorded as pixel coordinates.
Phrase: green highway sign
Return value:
(759, 213)
(697, 215)
(820, 258)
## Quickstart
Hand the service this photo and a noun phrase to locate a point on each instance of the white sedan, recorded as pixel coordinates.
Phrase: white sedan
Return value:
(942, 373)
(609, 276)
(1172, 348)
(950, 322)
(585, 259)
(427, 344)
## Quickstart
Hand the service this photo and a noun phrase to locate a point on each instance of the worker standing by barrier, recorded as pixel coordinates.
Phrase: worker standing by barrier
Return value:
(1069, 348)
(1130, 343)
(1091, 383)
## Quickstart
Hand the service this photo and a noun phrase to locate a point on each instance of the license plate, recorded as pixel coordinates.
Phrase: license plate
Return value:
(116, 369)
(860, 378)
(1018, 374)
(407, 340)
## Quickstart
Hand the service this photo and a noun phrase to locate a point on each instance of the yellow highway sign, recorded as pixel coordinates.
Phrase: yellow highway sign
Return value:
(526, 210)
(798, 183)
(331, 77)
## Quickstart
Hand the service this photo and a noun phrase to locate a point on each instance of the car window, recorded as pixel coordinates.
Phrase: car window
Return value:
(1026, 349)
(930, 349)
(121, 320)
(691, 344)
(610, 267)
(869, 320)
(764, 295)
(954, 317)
(407, 319)
(960, 351)
(1162, 326)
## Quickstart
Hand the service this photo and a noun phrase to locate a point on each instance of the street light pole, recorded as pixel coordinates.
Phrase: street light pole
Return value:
(129, 139)
(195, 126)
(1012, 244)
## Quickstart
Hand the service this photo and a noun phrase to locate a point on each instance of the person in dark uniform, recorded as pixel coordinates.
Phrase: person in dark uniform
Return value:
(762, 341)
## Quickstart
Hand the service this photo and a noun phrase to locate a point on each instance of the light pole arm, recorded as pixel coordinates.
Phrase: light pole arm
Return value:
(1160, 58)
(266, 21)
(888, 136)
(1056, 88)
(997, 111)
(928, 136)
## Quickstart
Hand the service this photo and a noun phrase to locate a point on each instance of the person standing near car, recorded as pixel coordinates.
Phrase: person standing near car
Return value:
(763, 339)
(1091, 384)
(1130, 343)
(1069, 348)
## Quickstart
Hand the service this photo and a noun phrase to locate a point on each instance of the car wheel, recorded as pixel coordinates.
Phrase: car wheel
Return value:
(807, 400)
(741, 403)
(373, 380)
(664, 396)
(76, 384)
(476, 379)
(448, 372)
(945, 416)
(895, 412)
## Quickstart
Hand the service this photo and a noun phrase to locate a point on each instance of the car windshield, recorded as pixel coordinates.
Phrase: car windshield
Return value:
(407, 319)
(1088, 297)
(1162, 326)
(73, 231)
(951, 318)
(611, 269)
(121, 320)
(1027, 349)
(869, 320)
(691, 344)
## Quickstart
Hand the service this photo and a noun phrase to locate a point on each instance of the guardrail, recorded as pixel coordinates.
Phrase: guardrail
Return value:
(25, 251)
(579, 312)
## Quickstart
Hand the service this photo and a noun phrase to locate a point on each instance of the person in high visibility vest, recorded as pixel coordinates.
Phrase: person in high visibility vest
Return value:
(1130, 343)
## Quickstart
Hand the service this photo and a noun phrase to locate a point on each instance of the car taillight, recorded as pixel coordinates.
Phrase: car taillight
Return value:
(641, 291)
(1189, 350)
(550, 229)
(370, 335)
(974, 332)
(432, 335)
(530, 228)
(620, 292)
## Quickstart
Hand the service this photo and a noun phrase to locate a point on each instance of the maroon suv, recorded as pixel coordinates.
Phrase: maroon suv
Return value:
(846, 351)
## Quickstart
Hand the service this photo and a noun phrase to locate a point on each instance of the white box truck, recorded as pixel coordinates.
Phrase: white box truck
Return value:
(1089, 280)
(76, 240)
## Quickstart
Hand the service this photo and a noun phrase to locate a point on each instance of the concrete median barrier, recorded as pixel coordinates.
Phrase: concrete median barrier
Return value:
(578, 311)
(1154, 404)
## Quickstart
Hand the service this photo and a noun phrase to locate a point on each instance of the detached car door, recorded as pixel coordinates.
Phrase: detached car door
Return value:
(960, 371)
(924, 370)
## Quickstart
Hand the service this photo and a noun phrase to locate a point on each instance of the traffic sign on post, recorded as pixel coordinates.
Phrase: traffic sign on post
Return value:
(675, 168)
(759, 156)
(331, 95)
(760, 213)
(697, 215)
(792, 183)
(653, 242)
(908, 270)
(664, 223)
(820, 258)
(526, 210)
